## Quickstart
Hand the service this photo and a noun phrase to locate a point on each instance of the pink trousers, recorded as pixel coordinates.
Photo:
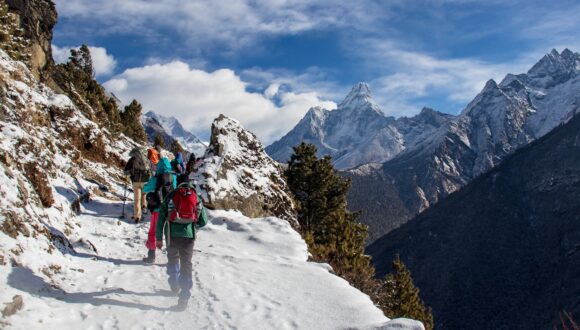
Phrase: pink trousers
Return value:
(151, 236)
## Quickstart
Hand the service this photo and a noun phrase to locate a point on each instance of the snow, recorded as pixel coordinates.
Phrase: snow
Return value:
(173, 127)
(248, 274)
(84, 270)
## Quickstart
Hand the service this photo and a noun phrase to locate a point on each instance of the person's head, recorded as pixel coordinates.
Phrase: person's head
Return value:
(182, 178)
(192, 157)
(158, 148)
(134, 152)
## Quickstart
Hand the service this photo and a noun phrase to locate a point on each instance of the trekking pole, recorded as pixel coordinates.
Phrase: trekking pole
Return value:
(124, 199)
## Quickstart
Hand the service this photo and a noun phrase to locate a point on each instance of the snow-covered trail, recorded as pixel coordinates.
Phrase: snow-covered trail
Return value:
(248, 274)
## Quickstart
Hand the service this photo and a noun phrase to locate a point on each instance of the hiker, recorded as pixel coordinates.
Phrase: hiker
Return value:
(190, 166)
(181, 214)
(177, 164)
(153, 155)
(138, 169)
(157, 190)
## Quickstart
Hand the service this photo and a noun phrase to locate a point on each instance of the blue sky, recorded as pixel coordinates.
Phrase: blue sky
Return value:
(266, 62)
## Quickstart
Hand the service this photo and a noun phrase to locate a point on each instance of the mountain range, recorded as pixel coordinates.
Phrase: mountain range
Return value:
(170, 129)
(505, 249)
(400, 167)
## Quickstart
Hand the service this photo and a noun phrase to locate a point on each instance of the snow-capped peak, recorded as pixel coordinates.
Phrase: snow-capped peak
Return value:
(173, 127)
(360, 98)
(554, 68)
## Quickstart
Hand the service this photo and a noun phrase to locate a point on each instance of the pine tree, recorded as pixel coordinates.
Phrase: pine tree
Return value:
(332, 233)
(158, 141)
(131, 119)
(399, 297)
(12, 39)
(77, 79)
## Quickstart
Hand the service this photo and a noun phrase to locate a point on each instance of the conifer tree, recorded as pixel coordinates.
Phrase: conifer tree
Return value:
(332, 233)
(131, 119)
(158, 141)
(77, 79)
(399, 296)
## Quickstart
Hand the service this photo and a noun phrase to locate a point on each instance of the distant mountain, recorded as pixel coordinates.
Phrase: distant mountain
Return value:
(505, 249)
(169, 128)
(358, 132)
(501, 118)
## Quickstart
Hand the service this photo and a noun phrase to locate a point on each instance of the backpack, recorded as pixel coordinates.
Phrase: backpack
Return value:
(163, 187)
(153, 155)
(176, 166)
(184, 208)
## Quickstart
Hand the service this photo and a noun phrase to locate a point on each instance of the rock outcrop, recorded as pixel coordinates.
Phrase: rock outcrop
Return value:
(37, 18)
(237, 174)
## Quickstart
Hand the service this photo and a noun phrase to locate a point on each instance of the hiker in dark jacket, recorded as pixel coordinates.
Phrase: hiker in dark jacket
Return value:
(138, 169)
(180, 239)
(177, 164)
(190, 166)
(163, 167)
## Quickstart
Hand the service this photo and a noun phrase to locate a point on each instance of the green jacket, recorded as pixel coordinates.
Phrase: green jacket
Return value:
(164, 227)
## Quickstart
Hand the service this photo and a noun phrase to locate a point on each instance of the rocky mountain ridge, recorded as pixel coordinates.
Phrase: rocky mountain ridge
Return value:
(501, 118)
(170, 129)
(358, 132)
(506, 247)
(236, 173)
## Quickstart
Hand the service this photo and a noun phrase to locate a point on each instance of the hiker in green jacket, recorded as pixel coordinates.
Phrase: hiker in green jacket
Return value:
(180, 215)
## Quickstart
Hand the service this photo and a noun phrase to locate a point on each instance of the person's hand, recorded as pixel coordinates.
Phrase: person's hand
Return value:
(159, 244)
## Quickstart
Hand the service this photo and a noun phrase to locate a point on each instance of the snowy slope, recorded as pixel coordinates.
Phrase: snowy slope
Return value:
(74, 264)
(248, 274)
(174, 128)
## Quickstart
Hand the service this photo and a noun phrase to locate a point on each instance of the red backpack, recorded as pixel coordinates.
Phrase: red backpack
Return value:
(185, 202)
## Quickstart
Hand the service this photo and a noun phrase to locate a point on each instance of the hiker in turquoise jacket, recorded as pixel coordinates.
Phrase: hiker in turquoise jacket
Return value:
(163, 167)
(180, 240)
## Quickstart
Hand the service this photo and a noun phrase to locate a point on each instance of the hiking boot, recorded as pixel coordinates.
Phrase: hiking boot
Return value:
(150, 257)
(181, 305)
(175, 288)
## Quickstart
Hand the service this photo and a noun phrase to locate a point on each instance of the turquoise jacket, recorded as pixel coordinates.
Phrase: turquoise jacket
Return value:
(171, 230)
(164, 166)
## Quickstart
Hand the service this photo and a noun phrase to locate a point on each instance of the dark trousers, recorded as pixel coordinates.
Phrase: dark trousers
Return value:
(179, 266)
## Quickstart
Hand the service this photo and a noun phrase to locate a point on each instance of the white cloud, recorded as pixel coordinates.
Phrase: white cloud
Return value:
(224, 24)
(196, 97)
(422, 75)
(104, 63)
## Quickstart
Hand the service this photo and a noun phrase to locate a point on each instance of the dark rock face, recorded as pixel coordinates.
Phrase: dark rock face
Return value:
(504, 250)
(237, 174)
(37, 18)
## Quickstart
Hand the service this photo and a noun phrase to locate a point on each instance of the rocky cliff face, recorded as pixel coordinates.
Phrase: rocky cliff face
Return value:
(52, 158)
(237, 174)
(37, 18)
(505, 248)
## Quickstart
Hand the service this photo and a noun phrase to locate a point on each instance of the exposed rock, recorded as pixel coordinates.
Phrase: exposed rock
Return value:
(237, 174)
(14, 306)
(37, 18)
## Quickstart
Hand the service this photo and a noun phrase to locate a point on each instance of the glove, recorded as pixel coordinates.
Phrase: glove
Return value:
(159, 244)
